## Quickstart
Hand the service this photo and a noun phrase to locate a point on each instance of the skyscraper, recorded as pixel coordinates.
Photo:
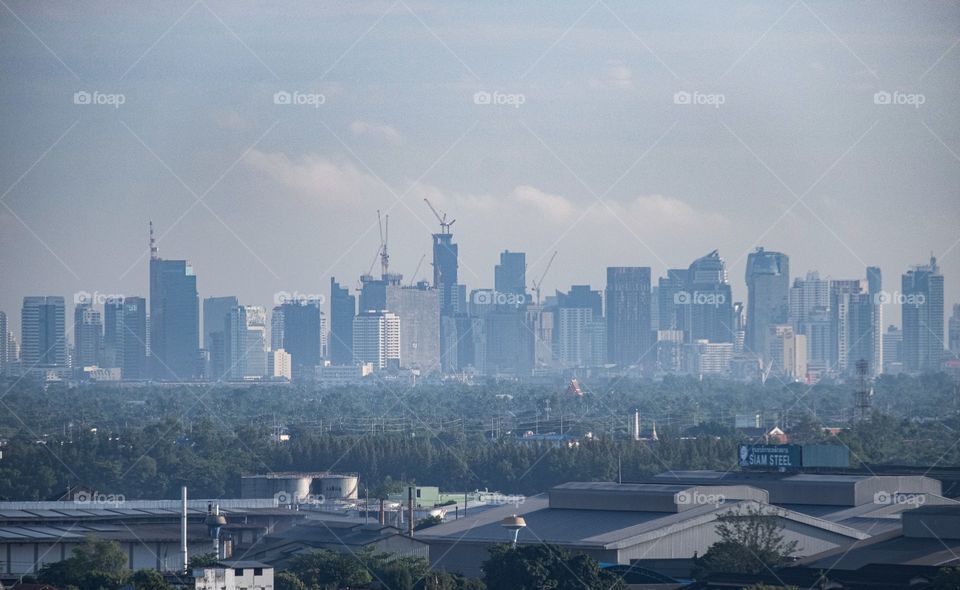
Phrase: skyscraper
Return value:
(174, 318)
(134, 338)
(215, 311)
(705, 307)
(810, 317)
(922, 310)
(953, 336)
(667, 289)
(245, 343)
(768, 292)
(377, 339)
(418, 308)
(510, 276)
(43, 343)
(629, 339)
(302, 326)
(4, 343)
(445, 264)
(87, 336)
(343, 308)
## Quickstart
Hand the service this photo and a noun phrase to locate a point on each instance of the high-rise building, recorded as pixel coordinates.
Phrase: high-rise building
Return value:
(303, 324)
(844, 300)
(510, 276)
(705, 307)
(245, 343)
(87, 336)
(445, 265)
(276, 328)
(278, 365)
(892, 350)
(343, 308)
(666, 301)
(953, 335)
(135, 335)
(703, 357)
(786, 351)
(629, 338)
(215, 311)
(4, 344)
(768, 296)
(377, 339)
(418, 308)
(582, 338)
(810, 317)
(174, 318)
(923, 313)
(43, 343)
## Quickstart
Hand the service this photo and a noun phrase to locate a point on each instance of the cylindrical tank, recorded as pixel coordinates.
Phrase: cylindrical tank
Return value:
(286, 488)
(339, 487)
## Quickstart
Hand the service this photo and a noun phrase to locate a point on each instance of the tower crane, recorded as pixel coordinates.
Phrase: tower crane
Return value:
(537, 283)
(441, 217)
(413, 278)
(384, 224)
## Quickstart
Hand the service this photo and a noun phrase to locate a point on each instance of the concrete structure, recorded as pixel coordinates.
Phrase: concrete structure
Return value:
(418, 308)
(703, 357)
(245, 343)
(303, 328)
(125, 337)
(510, 276)
(279, 365)
(786, 351)
(705, 306)
(617, 523)
(377, 339)
(234, 575)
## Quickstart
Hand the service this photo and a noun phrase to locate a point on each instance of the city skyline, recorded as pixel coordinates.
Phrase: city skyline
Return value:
(811, 158)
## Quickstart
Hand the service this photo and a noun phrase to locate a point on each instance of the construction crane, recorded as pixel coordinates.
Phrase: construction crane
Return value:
(413, 277)
(537, 283)
(441, 217)
(384, 224)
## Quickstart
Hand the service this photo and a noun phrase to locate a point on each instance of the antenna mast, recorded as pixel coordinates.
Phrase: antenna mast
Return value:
(153, 244)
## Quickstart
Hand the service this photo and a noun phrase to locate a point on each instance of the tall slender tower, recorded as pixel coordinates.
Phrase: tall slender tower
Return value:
(174, 318)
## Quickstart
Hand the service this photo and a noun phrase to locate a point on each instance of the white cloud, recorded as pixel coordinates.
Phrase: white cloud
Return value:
(317, 177)
(384, 133)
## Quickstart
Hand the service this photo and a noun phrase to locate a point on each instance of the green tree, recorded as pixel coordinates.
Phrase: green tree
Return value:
(751, 541)
(288, 581)
(203, 560)
(328, 570)
(544, 567)
(146, 579)
(95, 565)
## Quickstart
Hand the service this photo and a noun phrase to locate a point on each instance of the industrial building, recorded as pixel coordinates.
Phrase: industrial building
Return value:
(621, 523)
(33, 534)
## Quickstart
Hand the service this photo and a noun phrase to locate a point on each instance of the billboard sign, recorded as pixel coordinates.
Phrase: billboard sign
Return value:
(771, 457)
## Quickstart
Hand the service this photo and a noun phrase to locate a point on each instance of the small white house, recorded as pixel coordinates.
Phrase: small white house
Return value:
(234, 575)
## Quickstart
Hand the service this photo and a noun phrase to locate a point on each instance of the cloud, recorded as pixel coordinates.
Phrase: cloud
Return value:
(317, 177)
(384, 133)
(615, 74)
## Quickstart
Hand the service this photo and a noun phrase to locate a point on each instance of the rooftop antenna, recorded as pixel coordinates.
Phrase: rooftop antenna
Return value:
(153, 244)
(441, 217)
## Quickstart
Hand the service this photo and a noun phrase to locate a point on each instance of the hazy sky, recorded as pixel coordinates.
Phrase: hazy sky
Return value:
(789, 149)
